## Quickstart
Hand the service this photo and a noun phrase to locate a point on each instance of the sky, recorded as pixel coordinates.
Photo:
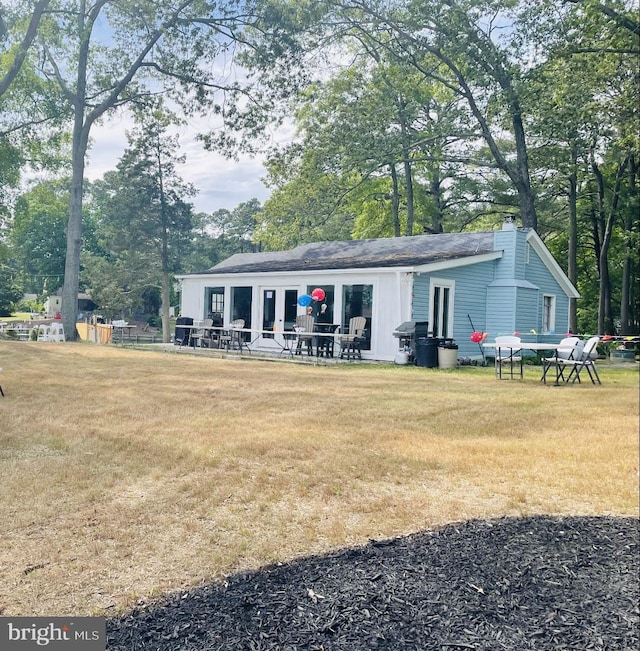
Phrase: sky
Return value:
(221, 183)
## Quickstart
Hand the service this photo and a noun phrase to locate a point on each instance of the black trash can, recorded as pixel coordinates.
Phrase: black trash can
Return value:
(426, 352)
(447, 353)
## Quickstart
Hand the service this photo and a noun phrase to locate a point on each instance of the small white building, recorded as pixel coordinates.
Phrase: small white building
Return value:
(501, 281)
(53, 304)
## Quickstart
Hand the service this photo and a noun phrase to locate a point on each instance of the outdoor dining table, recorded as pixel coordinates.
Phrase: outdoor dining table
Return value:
(325, 341)
(534, 346)
(119, 330)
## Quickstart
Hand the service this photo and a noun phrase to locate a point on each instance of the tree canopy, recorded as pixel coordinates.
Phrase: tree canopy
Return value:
(410, 116)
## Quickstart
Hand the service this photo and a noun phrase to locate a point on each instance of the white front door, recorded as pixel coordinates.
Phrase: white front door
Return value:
(278, 310)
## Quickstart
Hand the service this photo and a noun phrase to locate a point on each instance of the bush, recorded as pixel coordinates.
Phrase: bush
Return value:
(10, 293)
(155, 321)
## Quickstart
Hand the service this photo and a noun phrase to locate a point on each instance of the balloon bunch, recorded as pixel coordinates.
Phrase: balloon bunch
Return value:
(478, 336)
(317, 294)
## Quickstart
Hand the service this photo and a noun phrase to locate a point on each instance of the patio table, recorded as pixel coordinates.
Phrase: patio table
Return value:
(535, 347)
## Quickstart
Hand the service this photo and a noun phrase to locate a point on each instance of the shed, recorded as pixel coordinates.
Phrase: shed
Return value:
(502, 281)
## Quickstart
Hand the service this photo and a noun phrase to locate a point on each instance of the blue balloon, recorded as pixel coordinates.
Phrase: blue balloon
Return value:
(304, 300)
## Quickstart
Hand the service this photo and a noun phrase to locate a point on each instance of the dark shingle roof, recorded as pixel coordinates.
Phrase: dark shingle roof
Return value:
(353, 254)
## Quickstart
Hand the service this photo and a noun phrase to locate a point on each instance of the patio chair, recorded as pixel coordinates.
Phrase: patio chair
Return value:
(508, 351)
(350, 342)
(585, 360)
(43, 332)
(56, 332)
(568, 348)
(304, 324)
(198, 335)
(231, 337)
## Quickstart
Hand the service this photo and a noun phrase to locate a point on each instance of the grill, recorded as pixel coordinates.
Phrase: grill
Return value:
(408, 331)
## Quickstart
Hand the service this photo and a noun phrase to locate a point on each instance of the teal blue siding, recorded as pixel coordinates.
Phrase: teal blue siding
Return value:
(538, 274)
(527, 311)
(513, 245)
(501, 310)
(470, 300)
(501, 296)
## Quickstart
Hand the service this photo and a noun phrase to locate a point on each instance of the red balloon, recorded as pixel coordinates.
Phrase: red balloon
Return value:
(477, 337)
(318, 294)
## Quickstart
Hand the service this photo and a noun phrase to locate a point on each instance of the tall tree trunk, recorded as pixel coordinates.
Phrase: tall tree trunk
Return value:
(80, 143)
(406, 162)
(74, 237)
(522, 178)
(572, 252)
(395, 201)
(164, 253)
(607, 218)
(408, 179)
(435, 189)
(629, 321)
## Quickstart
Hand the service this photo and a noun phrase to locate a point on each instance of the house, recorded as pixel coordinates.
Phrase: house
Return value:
(53, 304)
(502, 282)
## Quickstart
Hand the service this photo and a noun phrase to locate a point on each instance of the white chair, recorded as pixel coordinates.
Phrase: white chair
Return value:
(508, 351)
(568, 348)
(43, 332)
(56, 331)
(585, 360)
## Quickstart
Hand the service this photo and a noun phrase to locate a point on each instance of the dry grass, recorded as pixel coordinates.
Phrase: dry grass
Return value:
(130, 473)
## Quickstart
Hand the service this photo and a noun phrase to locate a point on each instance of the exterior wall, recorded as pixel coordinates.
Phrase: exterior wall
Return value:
(391, 298)
(527, 311)
(53, 305)
(470, 300)
(501, 309)
(538, 274)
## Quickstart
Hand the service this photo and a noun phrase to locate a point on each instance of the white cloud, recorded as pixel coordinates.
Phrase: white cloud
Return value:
(221, 183)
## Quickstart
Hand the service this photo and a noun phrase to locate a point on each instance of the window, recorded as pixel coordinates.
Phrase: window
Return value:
(548, 314)
(268, 311)
(214, 304)
(357, 300)
(241, 298)
(441, 308)
(329, 293)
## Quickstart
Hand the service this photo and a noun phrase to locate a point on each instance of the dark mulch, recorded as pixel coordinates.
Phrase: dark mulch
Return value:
(514, 583)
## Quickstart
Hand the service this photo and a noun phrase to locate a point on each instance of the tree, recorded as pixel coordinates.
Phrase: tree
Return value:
(146, 220)
(458, 45)
(305, 205)
(16, 53)
(586, 116)
(108, 54)
(37, 236)
(10, 291)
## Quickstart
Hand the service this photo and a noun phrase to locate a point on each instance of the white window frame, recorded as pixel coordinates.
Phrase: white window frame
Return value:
(548, 315)
(442, 283)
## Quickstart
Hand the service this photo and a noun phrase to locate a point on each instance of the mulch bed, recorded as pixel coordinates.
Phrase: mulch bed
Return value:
(513, 583)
